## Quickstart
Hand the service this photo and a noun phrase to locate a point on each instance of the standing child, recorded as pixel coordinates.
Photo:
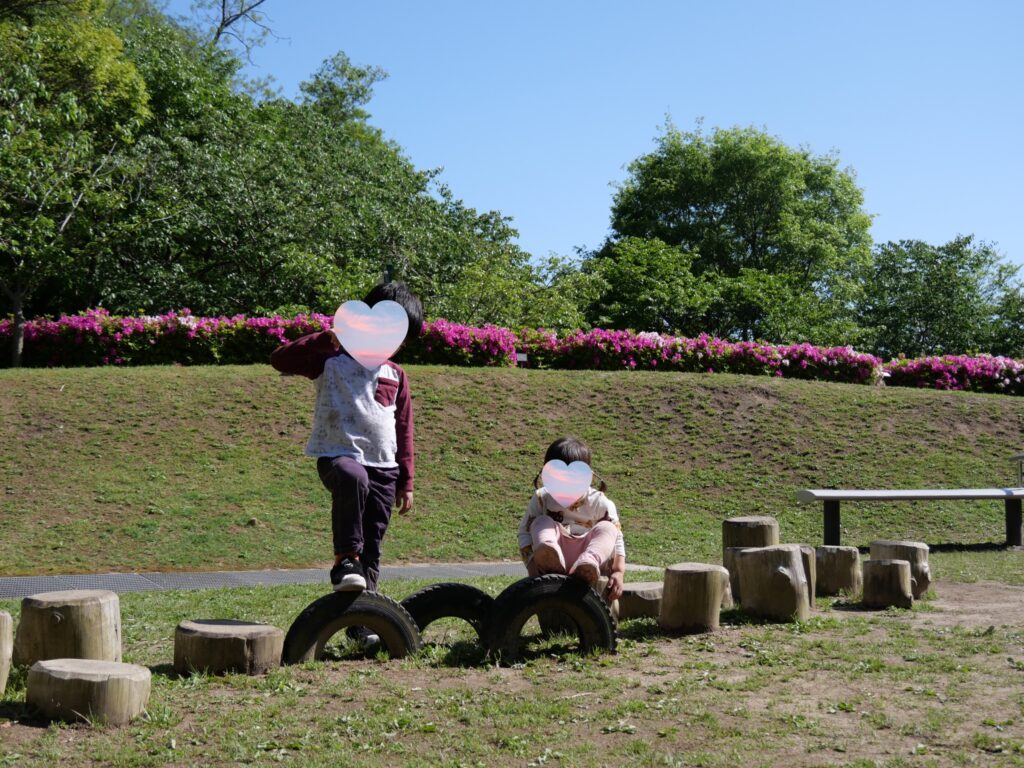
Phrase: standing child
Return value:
(362, 439)
(583, 539)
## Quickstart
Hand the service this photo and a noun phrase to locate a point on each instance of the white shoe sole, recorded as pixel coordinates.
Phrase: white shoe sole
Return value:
(350, 583)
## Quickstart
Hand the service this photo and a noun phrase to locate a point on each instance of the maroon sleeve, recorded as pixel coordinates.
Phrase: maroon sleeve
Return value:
(404, 433)
(305, 356)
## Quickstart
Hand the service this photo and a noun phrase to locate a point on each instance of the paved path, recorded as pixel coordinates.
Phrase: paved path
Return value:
(22, 586)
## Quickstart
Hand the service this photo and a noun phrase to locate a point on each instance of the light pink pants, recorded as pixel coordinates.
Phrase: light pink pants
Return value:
(596, 546)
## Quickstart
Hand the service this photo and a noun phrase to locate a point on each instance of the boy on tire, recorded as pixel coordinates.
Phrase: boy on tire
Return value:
(362, 439)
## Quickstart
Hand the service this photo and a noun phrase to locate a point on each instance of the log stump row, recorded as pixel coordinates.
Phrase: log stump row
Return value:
(221, 646)
(740, 532)
(915, 553)
(887, 583)
(692, 597)
(838, 570)
(70, 624)
(6, 648)
(772, 582)
(88, 689)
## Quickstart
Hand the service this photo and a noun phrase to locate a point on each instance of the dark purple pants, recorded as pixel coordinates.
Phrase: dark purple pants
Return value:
(361, 502)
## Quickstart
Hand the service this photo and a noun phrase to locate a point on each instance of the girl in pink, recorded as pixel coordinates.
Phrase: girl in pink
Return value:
(583, 539)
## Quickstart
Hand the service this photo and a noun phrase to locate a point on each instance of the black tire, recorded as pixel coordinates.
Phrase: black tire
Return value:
(590, 617)
(325, 617)
(450, 600)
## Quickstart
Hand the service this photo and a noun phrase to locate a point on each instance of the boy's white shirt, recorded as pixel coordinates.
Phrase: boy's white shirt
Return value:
(577, 520)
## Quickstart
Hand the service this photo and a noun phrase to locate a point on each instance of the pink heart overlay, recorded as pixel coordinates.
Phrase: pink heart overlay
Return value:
(566, 484)
(371, 334)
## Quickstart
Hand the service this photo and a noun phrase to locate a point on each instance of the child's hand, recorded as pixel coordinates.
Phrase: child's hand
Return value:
(404, 502)
(615, 585)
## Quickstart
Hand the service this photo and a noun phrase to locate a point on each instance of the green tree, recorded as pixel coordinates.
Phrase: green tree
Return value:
(923, 299)
(69, 105)
(650, 286)
(739, 199)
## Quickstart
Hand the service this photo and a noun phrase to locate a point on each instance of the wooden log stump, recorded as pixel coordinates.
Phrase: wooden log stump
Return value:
(887, 583)
(838, 570)
(772, 583)
(740, 532)
(692, 597)
(6, 648)
(87, 689)
(72, 624)
(640, 599)
(219, 646)
(729, 562)
(915, 553)
(807, 557)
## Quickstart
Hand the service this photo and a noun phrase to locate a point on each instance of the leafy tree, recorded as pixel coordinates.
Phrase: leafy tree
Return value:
(69, 104)
(923, 299)
(739, 200)
(650, 286)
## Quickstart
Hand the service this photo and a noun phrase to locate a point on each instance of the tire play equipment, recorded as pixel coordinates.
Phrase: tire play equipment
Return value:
(585, 610)
(450, 600)
(328, 615)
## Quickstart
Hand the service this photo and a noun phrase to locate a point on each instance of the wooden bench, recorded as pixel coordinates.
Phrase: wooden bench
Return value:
(831, 497)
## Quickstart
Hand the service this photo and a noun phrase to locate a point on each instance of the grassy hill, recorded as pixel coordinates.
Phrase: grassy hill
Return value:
(202, 468)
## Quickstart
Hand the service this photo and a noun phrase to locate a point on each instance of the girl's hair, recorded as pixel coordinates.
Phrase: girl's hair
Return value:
(568, 450)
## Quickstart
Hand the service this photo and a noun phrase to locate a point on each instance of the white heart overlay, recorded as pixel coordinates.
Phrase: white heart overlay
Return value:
(371, 334)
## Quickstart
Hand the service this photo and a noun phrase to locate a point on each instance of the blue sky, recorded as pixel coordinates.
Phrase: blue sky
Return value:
(536, 108)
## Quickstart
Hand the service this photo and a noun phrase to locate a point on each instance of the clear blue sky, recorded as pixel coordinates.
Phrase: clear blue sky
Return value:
(535, 107)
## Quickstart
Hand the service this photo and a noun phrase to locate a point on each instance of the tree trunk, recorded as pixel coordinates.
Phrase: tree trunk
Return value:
(6, 647)
(222, 645)
(751, 531)
(73, 624)
(18, 337)
(887, 583)
(915, 553)
(838, 570)
(772, 582)
(692, 597)
(87, 689)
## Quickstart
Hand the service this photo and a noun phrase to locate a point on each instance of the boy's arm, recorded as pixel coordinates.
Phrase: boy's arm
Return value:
(305, 356)
(405, 455)
(525, 537)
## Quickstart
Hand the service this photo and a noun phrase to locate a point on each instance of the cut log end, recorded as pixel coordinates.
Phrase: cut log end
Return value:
(88, 689)
(773, 584)
(69, 624)
(692, 597)
(221, 646)
(887, 584)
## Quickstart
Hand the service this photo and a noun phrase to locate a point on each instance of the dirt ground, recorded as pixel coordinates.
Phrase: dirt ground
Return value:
(807, 715)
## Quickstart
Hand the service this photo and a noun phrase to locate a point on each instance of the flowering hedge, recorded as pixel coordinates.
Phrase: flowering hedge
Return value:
(983, 373)
(97, 338)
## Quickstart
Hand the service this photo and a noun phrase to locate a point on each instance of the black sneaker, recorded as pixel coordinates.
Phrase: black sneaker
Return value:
(347, 576)
(366, 639)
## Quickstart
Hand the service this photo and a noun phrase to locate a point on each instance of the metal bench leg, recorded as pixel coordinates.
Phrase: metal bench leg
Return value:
(832, 522)
(1013, 522)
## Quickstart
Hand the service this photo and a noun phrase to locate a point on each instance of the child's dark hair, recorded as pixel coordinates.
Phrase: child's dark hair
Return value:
(568, 450)
(399, 292)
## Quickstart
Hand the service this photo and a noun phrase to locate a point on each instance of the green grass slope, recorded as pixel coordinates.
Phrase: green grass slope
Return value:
(202, 468)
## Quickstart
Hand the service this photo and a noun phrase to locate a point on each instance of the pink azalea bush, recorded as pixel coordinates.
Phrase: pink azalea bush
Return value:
(983, 373)
(98, 338)
(616, 350)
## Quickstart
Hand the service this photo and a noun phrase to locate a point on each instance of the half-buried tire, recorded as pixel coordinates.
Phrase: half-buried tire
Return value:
(324, 618)
(585, 612)
(450, 600)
